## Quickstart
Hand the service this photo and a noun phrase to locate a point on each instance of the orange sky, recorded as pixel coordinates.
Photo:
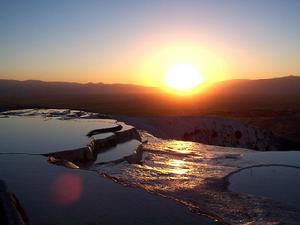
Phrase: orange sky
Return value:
(138, 43)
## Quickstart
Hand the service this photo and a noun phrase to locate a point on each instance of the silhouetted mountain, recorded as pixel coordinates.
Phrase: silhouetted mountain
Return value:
(36, 88)
(289, 85)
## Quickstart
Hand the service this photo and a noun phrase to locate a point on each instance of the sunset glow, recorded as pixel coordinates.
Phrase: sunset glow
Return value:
(105, 42)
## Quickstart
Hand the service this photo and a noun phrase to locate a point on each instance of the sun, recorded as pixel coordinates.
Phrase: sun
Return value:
(183, 77)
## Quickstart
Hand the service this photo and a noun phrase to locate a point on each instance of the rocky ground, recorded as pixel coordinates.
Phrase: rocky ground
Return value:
(211, 130)
(196, 175)
(191, 173)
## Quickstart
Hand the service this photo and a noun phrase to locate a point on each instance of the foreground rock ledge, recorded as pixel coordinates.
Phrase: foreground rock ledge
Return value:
(196, 176)
(85, 156)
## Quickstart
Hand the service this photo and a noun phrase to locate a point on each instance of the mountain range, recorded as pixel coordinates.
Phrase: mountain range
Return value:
(288, 85)
(274, 86)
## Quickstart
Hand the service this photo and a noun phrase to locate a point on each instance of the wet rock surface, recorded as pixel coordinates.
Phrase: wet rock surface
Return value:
(196, 176)
(58, 113)
(210, 130)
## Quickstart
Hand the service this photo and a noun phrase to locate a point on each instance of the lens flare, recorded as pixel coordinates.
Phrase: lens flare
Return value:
(67, 189)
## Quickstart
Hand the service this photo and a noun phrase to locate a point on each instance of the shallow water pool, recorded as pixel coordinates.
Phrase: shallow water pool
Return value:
(40, 135)
(281, 183)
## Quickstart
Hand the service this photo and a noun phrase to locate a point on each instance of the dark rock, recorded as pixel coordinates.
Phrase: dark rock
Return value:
(238, 134)
(105, 130)
(11, 211)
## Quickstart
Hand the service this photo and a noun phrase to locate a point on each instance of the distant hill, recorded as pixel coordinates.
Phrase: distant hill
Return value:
(36, 88)
(288, 85)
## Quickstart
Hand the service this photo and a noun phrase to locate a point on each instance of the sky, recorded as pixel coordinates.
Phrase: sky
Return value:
(139, 41)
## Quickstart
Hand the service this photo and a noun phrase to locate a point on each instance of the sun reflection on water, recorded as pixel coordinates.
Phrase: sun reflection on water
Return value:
(177, 166)
(169, 165)
(180, 146)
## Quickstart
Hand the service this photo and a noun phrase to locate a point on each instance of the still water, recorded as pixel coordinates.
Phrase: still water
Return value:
(56, 195)
(43, 135)
(280, 183)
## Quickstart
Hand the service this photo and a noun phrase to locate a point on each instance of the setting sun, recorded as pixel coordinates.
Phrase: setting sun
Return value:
(183, 77)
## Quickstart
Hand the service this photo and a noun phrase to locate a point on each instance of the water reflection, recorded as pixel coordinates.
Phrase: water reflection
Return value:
(180, 146)
(170, 164)
(178, 166)
(171, 167)
(43, 190)
(37, 135)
